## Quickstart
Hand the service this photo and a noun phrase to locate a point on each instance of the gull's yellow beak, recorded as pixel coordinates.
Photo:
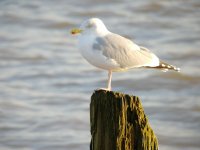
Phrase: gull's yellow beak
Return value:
(76, 31)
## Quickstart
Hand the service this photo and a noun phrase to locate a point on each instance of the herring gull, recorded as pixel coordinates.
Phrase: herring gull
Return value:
(112, 52)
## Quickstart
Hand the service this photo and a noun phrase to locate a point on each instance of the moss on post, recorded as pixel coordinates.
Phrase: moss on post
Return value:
(118, 122)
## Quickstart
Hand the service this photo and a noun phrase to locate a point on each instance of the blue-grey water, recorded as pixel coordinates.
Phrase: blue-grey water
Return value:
(45, 84)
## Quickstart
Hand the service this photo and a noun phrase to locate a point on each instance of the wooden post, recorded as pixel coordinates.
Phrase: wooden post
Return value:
(118, 122)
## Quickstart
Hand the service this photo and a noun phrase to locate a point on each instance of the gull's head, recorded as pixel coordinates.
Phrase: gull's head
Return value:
(91, 26)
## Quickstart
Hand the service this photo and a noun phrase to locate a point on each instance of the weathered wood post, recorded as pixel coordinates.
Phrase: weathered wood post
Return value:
(118, 122)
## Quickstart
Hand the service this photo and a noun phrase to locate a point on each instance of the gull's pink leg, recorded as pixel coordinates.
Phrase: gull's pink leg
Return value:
(109, 82)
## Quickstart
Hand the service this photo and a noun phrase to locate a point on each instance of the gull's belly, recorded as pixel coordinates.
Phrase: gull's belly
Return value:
(96, 58)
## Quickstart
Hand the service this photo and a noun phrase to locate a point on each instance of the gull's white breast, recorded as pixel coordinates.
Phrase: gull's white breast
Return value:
(96, 57)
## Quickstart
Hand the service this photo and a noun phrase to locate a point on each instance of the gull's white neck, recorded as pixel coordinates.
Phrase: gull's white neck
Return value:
(101, 31)
(89, 35)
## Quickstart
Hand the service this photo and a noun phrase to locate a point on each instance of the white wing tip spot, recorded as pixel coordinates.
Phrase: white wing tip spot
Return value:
(163, 65)
(178, 69)
(169, 66)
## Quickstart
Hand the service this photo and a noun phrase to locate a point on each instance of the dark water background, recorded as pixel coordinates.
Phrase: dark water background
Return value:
(45, 84)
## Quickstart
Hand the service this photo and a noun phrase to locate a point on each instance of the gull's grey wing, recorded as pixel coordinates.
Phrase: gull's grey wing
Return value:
(125, 52)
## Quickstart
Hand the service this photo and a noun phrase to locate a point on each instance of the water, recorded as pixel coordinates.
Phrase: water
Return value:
(45, 84)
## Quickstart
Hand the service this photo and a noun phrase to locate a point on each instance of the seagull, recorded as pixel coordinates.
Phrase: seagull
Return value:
(112, 52)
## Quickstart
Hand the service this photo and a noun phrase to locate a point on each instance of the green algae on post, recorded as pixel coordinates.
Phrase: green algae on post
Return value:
(118, 122)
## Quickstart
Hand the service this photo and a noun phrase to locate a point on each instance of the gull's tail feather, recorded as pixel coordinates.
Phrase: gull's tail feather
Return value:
(165, 67)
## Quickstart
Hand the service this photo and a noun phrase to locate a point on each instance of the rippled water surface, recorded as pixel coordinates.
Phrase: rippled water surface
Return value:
(45, 84)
